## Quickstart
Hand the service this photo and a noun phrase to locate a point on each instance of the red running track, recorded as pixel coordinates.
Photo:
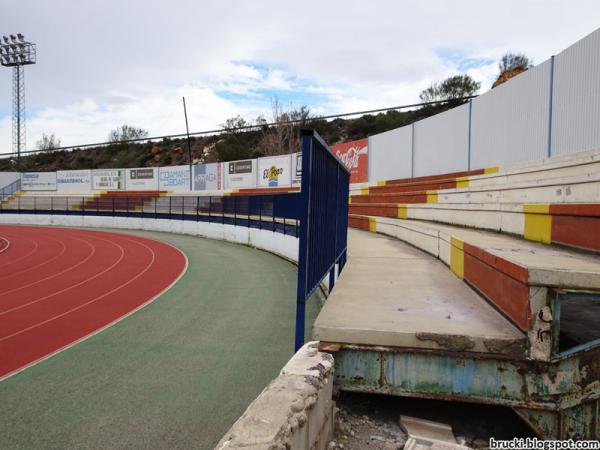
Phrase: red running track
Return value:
(60, 285)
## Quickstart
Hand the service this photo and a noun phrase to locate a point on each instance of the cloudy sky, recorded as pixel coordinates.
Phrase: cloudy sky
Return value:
(103, 63)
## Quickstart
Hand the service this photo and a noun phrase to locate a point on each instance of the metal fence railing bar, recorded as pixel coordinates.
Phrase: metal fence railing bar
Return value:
(323, 221)
(277, 213)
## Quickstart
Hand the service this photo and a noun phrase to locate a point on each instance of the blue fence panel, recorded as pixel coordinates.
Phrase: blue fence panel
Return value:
(276, 212)
(323, 221)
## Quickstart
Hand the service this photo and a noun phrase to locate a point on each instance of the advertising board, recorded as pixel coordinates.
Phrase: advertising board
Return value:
(38, 181)
(207, 177)
(108, 179)
(174, 178)
(355, 155)
(275, 171)
(297, 169)
(142, 179)
(74, 181)
(240, 174)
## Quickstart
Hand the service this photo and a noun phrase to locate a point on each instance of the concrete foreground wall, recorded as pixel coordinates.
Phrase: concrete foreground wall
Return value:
(294, 411)
(282, 245)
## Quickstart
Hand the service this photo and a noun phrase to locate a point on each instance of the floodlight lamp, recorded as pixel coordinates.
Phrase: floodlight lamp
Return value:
(5, 39)
(21, 37)
(13, 38)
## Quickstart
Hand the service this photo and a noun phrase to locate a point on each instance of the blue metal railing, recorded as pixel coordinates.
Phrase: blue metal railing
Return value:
(278, 212)
(323, 221)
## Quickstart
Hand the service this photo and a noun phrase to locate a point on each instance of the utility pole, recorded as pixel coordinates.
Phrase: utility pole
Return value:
(187, 130)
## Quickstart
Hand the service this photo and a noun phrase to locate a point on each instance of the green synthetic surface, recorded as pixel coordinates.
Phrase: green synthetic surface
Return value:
(177, 373)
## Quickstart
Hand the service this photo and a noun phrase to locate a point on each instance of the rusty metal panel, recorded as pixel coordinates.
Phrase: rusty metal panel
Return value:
(558, 399)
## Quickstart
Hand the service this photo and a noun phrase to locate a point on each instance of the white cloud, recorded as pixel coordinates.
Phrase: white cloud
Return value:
(102, 63)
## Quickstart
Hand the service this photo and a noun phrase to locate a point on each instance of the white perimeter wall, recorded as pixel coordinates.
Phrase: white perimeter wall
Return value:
(551, 109)
(510, 122)
(280, 244)
(441, 142)
(576, 99)
(390, 154)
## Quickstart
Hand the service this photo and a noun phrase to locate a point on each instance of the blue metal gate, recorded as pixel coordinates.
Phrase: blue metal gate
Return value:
(323, 221)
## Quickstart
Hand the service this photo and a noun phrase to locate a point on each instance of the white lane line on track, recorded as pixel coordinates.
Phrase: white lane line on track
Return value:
(87, 258)
(131, 280)
(64, 249)
(108, 325)
(35, 247)
(70, 287)
(2, 250)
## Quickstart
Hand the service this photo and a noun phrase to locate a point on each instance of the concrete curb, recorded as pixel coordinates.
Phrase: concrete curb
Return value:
(294, 411)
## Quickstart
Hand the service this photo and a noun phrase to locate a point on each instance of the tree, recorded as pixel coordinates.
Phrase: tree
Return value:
(284, 136)
(233, 146)
(510, 66)
(48, 142)
(452, 88)
(511, 61)
(126, 133)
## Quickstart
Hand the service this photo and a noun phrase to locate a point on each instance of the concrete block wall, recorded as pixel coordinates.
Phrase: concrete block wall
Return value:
(295, 411)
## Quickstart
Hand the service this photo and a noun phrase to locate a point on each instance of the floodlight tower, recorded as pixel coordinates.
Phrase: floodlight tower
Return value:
(15, 52)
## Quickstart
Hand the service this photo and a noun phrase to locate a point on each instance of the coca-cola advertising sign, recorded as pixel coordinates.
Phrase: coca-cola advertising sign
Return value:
(355, 155)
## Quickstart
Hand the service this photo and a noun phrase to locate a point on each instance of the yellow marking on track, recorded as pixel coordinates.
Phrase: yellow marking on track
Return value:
(538, 223)
(457, 257)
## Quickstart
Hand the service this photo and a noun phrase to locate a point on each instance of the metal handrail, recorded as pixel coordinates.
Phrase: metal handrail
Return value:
(276, 212)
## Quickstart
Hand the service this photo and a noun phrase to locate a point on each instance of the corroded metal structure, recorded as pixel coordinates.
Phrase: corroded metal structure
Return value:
(558, 397)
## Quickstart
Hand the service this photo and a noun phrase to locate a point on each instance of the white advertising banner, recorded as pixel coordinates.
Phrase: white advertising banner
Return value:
(108, 179)
(275, 171)
(296, 169)
(38, 181)
(240, 174)
(207, 177)
(75, 181)
(174, 178)
(142, 179)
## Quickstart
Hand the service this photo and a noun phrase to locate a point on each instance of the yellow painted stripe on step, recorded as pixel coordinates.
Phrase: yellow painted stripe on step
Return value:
(462, 182)
(538, 223)
(457, 257)
(372, 224)
(350, 200)
(495, 169)
(381, 183)
(402, 212)
(432, 196)
(536, 208)
(364, 191)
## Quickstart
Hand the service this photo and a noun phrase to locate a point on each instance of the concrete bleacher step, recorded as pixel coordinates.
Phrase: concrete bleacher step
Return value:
(391, 294)
(571, 224)
(513, 274)
(576, 189)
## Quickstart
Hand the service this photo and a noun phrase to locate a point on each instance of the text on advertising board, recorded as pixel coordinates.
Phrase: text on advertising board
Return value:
(142, 174)
(240, 166)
